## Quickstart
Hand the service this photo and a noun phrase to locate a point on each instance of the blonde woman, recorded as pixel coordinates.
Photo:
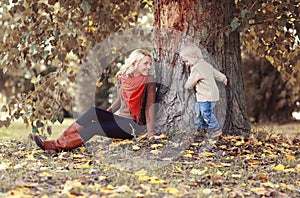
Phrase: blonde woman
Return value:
(135, 104)
(203, 78)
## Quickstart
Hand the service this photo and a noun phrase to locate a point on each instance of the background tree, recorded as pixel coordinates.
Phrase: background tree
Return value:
(271, 63)
(270, 99)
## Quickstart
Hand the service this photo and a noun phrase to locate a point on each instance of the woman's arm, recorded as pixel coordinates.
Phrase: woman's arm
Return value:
(150, 106)
(114, 106)
(117, 103)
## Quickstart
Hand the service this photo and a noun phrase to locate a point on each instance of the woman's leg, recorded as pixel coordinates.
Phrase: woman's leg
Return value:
(88, 117)
(69, 138)
(113, 126)
(94, 122)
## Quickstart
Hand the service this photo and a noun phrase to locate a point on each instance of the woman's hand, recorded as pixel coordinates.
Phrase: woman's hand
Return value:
(150, 134)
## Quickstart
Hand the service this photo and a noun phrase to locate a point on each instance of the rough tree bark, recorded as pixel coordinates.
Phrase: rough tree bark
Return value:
(203, 23)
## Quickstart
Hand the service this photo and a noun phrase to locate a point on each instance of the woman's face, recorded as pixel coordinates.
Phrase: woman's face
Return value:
(143, 67)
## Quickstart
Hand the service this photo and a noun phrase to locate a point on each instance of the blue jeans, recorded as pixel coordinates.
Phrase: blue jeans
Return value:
(205, 117)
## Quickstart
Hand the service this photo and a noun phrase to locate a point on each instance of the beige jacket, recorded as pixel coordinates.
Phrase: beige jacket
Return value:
(202, 77)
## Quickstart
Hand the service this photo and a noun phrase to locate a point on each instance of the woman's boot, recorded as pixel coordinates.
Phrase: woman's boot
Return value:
(69, 139)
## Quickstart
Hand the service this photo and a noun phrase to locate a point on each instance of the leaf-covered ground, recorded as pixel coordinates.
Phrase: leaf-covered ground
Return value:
(261, 165)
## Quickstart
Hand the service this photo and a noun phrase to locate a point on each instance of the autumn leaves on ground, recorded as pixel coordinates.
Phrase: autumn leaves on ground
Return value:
(260, 165)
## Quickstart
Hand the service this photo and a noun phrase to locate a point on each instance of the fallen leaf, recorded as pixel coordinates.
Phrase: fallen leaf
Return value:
(198, 172)
(173, 191)
(290, 157)
(279, 167)
(135, 147)
(156, 152)
(206, 191)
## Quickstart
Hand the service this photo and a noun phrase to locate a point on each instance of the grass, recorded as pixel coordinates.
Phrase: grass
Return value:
(291, 129)
(17, 130)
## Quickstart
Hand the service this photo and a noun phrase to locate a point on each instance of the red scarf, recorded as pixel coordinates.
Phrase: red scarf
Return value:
(132, 92)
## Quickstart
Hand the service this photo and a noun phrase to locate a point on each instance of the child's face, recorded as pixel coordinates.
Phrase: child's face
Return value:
(188, 61)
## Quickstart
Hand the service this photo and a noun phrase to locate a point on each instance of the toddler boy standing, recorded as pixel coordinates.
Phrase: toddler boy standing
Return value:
(203, 78)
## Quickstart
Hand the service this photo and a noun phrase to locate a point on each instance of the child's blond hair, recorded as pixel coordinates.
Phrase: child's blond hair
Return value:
(191, 51)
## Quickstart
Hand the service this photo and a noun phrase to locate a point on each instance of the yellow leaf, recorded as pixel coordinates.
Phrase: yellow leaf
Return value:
(156, 180)
(99, 84)
(219, 173)
(289, 170)
(271, 185)
(100, 178)
(172, 191)
(78, 156)
(290, 157)
(141, 172)
(144, 178)
(118, 143)
(199, 172)
(135, 147)
(178, 169)
(298, 167)
(139, 195)
(15, 193)
(208, 154)
(279, 167)
(189, 155)
(45, 174)
(82, 149)
(154, 146)
(286, 186)
(239, 143)
(83, 166)
(236, 175)
(107, 189)
(189, 151)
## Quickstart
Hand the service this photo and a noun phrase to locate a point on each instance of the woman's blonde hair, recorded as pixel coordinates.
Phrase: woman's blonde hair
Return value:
(191, 51)
(133, 59)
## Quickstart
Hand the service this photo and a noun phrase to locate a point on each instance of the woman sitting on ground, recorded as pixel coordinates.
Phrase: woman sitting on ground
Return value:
(135, 103)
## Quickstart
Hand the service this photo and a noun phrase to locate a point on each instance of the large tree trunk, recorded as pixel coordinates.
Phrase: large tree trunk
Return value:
(202, 23)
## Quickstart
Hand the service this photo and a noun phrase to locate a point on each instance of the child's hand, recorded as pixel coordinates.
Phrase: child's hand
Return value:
(225, 81)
